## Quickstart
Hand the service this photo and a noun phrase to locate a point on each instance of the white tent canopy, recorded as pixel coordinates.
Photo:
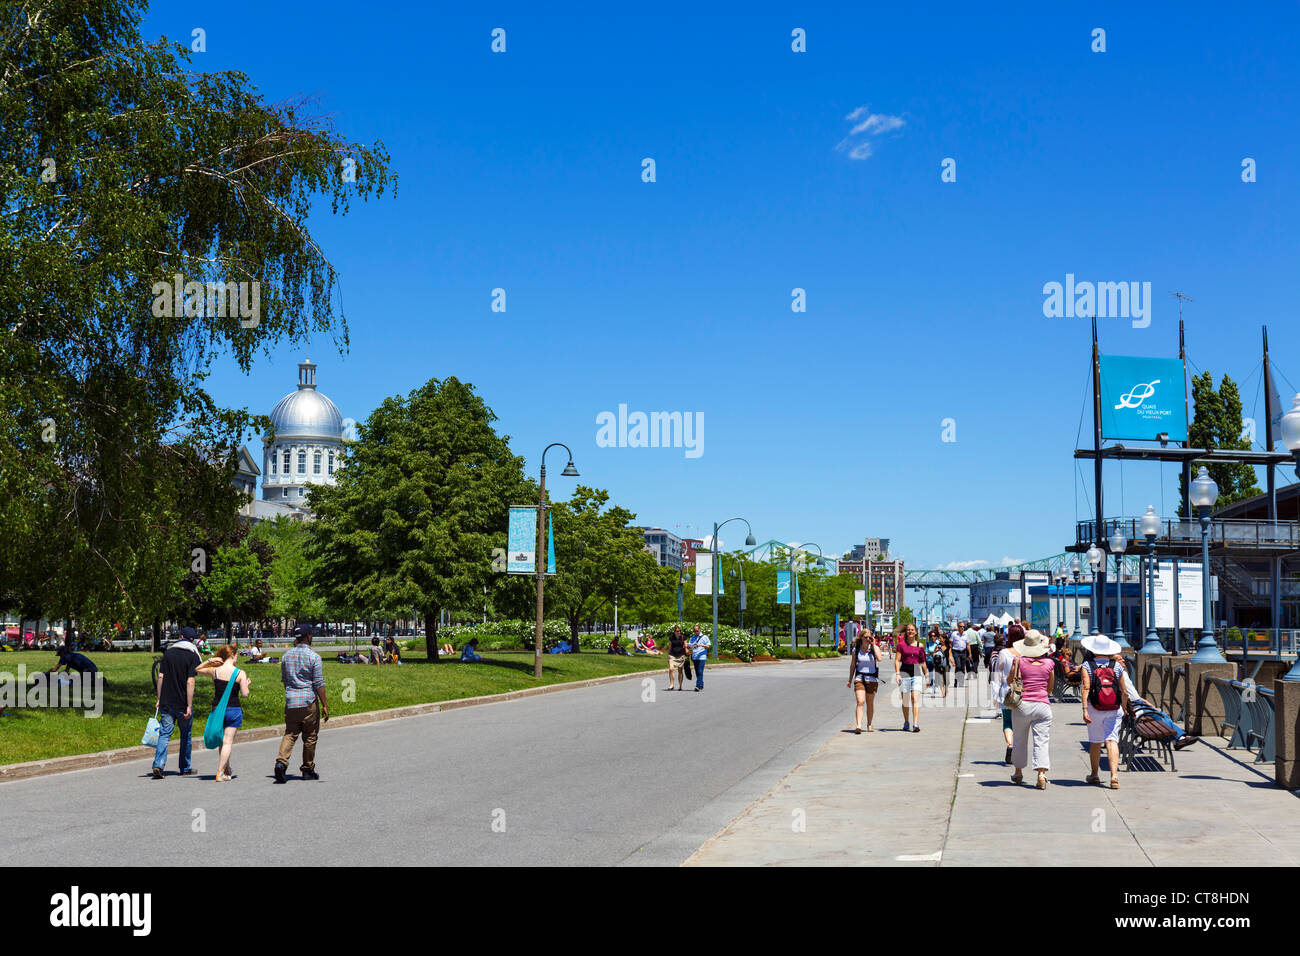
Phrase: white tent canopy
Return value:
(1005, 619)
(990, 621)
(998, 620)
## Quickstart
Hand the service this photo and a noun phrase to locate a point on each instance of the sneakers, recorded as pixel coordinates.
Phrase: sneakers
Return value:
(187, 772)
(907, 728)
(857, 730)
(1186, 740)
(157, 773)
(310, 775)
(279, 772)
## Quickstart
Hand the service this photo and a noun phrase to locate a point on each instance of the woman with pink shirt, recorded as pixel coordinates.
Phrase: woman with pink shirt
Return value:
(1032, 718)
(910, 673)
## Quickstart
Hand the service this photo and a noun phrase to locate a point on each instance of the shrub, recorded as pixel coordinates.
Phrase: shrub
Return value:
(731, 640)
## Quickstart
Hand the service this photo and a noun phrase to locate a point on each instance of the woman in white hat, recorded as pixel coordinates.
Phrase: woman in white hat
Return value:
(1104, 697)
(1032, 718)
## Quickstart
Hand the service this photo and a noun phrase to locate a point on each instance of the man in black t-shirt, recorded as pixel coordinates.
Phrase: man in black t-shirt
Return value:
(175, 699)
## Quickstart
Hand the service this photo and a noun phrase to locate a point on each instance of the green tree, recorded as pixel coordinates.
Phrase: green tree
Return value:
(237, 585)
(120, 169)
(294, 594)
(419, 506)
(1217, 423)
(598, 554)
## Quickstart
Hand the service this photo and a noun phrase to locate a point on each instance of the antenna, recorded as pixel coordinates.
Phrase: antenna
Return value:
(1181, 297)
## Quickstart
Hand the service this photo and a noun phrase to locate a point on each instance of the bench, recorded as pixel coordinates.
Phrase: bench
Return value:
(1132, 743)
(1235, 715)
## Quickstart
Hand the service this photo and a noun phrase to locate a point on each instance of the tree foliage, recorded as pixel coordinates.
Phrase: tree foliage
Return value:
(1218, 423)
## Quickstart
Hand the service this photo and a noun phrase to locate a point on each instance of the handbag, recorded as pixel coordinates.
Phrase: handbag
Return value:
(1015, 687)
(686, 668)
(151, 731)
(214, 728)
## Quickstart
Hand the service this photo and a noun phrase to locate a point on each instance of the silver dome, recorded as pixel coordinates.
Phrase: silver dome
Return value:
(306, 413)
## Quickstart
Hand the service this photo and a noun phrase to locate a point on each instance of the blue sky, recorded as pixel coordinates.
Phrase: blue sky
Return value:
(522, 171)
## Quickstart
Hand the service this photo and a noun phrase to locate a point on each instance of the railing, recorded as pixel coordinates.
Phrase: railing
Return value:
(1225, 533)
(1248, 709)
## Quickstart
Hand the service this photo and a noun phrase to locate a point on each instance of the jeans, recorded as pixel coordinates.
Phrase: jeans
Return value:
(1146, 710)
(698, 664)
(166, 722)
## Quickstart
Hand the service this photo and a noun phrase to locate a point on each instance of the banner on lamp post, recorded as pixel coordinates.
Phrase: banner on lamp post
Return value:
(704, 574)
(859, 602)
(521, 546)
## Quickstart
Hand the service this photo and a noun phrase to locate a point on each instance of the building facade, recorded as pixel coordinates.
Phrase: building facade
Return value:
(305, 446)
(665, 546)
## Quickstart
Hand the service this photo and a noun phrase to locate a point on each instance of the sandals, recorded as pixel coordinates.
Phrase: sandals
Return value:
(1114, 783)
(1093, 778)
(1017, 777)
(1042, 781)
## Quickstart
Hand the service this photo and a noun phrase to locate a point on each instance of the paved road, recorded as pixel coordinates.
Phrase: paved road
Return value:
(588, 777)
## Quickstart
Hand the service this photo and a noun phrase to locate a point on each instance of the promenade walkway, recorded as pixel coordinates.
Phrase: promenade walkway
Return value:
(944, 798)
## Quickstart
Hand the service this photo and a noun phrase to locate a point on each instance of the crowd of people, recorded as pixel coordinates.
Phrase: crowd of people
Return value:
(1023, 667)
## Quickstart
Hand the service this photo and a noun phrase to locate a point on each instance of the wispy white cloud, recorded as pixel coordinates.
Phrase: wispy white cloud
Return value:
(963, 565)
(1006, 562)
(866, 123)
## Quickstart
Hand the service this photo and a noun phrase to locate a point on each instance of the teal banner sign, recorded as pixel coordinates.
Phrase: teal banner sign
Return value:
(1142, 398)
(783, 587)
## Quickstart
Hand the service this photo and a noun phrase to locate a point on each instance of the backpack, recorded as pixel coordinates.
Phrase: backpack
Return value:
(1103, 690)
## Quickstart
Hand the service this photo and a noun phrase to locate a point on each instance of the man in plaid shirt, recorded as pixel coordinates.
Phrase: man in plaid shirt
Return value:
(304, 704)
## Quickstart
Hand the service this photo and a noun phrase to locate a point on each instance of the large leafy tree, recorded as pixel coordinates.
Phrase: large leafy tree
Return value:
(418, 508)
(1218, 423)
(294, 594)
(121, 169)
(599, 554)
(237, 583)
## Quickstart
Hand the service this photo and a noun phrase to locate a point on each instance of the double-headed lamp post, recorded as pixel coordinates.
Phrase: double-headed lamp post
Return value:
(803, 548)
(716, 559)
(1074, 578)
(1204, 494)
(540, 558)
(1118, 546)
(1150, 528)
(1290, 427)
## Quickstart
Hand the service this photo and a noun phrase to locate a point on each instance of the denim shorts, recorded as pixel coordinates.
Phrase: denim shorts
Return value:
(908, 684)
(234, 717)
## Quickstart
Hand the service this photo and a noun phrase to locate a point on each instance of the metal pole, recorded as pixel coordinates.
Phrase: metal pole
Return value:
(540, 561)
(792, 621)
(1119, 601)
(1207, 651)
(1074, 579)
(716, 560)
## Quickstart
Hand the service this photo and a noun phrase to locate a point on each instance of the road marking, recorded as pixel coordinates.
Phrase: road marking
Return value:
(926, 858)
(960, 775)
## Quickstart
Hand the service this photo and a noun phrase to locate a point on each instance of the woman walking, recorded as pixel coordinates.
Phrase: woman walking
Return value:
(1104, 696)
(1032, 719)
(1002, 664)
(909, 655)
(676, 657)
(941, 659)
(221, 668)
(864, 679)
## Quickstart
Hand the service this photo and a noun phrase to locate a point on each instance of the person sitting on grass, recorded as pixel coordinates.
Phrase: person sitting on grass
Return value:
(447, 649)
(649, 645)
(616, 646)
(392, 651)
(376, 652)
(469, 653)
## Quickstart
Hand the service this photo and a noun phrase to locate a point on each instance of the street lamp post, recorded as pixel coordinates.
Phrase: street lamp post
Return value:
(1204, 494)
(1119, 547)
(717, 569)
(1290, 427)
(1074, 579)
(540, 557)
(1096, 611)
(792, 604)
(1150, 528)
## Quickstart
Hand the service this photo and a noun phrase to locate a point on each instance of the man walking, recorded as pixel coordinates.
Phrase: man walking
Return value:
(960, 656)
(305, 704)
(699, 654)
(174, 699)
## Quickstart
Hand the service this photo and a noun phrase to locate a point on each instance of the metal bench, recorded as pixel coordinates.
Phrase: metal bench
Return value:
(1235, 715)
(1132, 743)
(1261, 732)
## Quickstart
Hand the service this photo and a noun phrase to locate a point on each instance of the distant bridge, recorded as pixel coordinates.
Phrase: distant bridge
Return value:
(1057, 564)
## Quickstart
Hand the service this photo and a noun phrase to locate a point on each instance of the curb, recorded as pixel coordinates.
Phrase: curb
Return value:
(105, 758)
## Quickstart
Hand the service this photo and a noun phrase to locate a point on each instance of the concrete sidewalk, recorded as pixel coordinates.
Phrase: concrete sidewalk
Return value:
(944, 797)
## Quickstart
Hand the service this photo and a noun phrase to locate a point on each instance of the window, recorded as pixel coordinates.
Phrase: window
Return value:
(300, 492)
(302, 463)
(315, 464)
(286, 461)
(273, 463)
(331, 463)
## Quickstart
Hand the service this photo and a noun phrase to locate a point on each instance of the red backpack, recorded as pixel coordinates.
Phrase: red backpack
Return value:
(1103, 690)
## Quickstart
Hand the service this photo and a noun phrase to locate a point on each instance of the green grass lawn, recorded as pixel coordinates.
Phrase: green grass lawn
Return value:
(37, 734)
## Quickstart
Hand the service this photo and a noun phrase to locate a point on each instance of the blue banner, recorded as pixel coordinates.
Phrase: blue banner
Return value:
(1143, 397)
(783, 587)
(521, 549)
(550, 543)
